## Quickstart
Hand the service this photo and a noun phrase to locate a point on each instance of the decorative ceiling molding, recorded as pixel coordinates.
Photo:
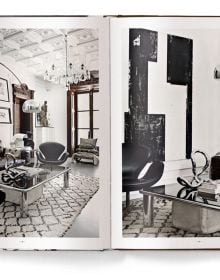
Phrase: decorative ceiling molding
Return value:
(37, 48)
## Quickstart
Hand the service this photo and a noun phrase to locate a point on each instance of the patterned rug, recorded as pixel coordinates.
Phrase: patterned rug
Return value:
(54, 213)
(133, 221)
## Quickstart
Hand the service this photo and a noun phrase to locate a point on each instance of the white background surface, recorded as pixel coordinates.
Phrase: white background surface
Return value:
(121, 264)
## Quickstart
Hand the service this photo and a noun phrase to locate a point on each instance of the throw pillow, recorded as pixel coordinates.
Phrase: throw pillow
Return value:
(88, 142)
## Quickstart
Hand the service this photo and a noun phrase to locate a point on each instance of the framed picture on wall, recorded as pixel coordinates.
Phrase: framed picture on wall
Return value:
(5, 115)
(4, 92)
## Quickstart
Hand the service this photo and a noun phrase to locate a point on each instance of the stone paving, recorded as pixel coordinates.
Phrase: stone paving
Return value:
(133, 221)
(53, 214)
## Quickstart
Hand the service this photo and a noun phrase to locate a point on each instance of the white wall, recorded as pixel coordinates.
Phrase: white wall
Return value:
(6, 130)
(54, 94)
(170, 100)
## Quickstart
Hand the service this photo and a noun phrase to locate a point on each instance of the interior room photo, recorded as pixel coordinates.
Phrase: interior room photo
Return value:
(170, 128)
(49, 133)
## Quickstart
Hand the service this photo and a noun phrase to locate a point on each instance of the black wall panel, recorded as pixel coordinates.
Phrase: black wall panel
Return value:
(179, 72)
(179, 60)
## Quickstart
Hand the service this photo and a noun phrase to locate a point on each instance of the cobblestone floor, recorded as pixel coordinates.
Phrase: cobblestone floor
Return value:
(133, 221)
(53, 214)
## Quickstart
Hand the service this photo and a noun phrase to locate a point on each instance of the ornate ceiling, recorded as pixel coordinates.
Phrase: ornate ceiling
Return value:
(38, 49)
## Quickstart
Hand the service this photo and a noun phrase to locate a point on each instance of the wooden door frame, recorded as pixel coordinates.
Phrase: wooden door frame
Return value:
(74, 91)
(21, 92)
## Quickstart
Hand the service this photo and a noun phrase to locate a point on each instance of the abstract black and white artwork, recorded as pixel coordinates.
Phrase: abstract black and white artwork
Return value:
(142, 49)
(141, 127)
(179, 72)
(148, 131)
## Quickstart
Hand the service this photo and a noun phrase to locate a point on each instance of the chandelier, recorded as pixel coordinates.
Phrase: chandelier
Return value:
(73, 74)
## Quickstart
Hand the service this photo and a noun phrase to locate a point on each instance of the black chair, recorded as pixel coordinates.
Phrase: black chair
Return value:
(52, 153)
(2, 197)
(134, 159)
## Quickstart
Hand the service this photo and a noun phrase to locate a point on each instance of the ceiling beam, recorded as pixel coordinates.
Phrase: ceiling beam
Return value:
(74, 31)
(13, 35)
(39, 54)
(11, 51)
(36, 55)
(52, 38)
(87, 42)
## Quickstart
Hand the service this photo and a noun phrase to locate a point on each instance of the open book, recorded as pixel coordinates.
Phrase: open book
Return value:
(109, 130)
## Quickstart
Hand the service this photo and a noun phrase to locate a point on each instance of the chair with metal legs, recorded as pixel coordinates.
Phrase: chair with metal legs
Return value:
(52, 153)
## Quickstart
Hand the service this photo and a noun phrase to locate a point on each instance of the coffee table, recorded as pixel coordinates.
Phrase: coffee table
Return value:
(30, 189)
(190, 209)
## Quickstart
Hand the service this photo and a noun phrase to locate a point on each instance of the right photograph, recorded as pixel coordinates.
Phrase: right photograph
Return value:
(170, 134)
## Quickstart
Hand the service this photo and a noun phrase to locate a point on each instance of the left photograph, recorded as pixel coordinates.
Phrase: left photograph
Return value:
(49, 133)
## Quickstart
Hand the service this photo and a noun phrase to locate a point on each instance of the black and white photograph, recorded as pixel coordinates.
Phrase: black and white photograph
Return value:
(169, 127)
(109, 139)
(49, 156)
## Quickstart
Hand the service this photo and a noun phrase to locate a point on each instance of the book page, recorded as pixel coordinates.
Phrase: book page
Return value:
(54, 133)
(164, 96)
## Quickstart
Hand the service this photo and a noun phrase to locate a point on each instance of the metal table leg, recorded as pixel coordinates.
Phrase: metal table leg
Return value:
(148, 210)
(66, 179)
(127, 199)
(24, 204)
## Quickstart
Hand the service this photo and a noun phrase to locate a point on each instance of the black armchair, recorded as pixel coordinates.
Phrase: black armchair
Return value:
(134, 159)
(52, 153)
(2, 197)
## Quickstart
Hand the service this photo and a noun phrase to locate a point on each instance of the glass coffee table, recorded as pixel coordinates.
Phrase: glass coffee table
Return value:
(29, 188)
(191, 209)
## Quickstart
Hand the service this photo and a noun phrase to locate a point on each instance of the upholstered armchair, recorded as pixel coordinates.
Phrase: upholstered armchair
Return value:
(134, 159)
(52, 153)
(87, 151)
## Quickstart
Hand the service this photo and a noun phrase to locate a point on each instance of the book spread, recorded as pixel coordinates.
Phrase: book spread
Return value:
(109, 133)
